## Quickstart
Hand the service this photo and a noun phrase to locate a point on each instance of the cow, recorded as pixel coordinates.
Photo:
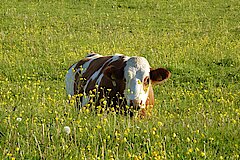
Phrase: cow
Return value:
(116, 81)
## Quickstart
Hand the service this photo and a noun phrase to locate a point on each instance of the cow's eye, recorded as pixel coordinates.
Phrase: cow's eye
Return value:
(146, 84)
(124, 79)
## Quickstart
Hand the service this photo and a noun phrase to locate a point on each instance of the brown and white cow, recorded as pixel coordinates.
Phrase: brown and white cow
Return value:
(122, 80)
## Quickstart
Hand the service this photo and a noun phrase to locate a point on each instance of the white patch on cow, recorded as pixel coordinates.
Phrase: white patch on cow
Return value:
(99, 79)
(125, 58)
(136, 69)
(85, 87)
(69, 79)
(93, 54)
(86, 65)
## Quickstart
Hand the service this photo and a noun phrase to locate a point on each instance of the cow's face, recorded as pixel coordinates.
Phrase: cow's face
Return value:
(138, 77)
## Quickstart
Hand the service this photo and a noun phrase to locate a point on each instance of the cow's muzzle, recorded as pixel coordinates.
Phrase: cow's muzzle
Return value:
(136, 104)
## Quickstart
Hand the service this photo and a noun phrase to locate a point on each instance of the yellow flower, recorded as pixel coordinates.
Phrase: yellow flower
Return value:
(203, 154)
(190, 150)
(160, 124)
(129, 155)
(9, 154)
(73, 70)
(174, 135)
(197, 149)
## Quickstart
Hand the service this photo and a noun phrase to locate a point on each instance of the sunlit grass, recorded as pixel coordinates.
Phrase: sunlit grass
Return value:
(196, 115)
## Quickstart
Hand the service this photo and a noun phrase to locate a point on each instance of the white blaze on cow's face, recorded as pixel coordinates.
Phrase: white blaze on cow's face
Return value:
(137, 76)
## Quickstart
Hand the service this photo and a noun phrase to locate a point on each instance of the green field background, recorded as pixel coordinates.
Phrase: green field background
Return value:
(197, 112)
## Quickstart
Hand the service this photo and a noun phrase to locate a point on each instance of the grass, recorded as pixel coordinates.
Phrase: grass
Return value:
(196, 115)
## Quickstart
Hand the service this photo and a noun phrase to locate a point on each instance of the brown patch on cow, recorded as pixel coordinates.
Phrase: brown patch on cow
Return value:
(114, 92)
(114, 73)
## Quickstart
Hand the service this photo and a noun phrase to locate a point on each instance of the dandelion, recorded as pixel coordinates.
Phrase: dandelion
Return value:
(73, 70)
(190, 150)
(234, 121)
(104, 102)
(67, 129)
(19, 119)
(139, 82)
(9, 154)
(174, 135)
(203, 154)
(197, 149)
(160, 124)
(99, 127)
(89, 147)
(194, 141)
(17, 149)
(129, 155)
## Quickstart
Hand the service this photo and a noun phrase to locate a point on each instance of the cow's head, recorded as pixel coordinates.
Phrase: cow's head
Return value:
(138, 76)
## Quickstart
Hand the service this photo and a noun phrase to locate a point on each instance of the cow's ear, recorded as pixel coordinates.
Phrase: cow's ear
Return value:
(114, 73)
(159, 76)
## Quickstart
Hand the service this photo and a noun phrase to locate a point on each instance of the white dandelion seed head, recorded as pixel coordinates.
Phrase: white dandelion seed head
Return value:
(67, 129)
(19, 119)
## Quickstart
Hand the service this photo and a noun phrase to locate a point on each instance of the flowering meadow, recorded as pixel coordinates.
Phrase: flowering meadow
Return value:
(197, 111)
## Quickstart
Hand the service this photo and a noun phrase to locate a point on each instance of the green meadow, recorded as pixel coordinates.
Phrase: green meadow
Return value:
(197, 111)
